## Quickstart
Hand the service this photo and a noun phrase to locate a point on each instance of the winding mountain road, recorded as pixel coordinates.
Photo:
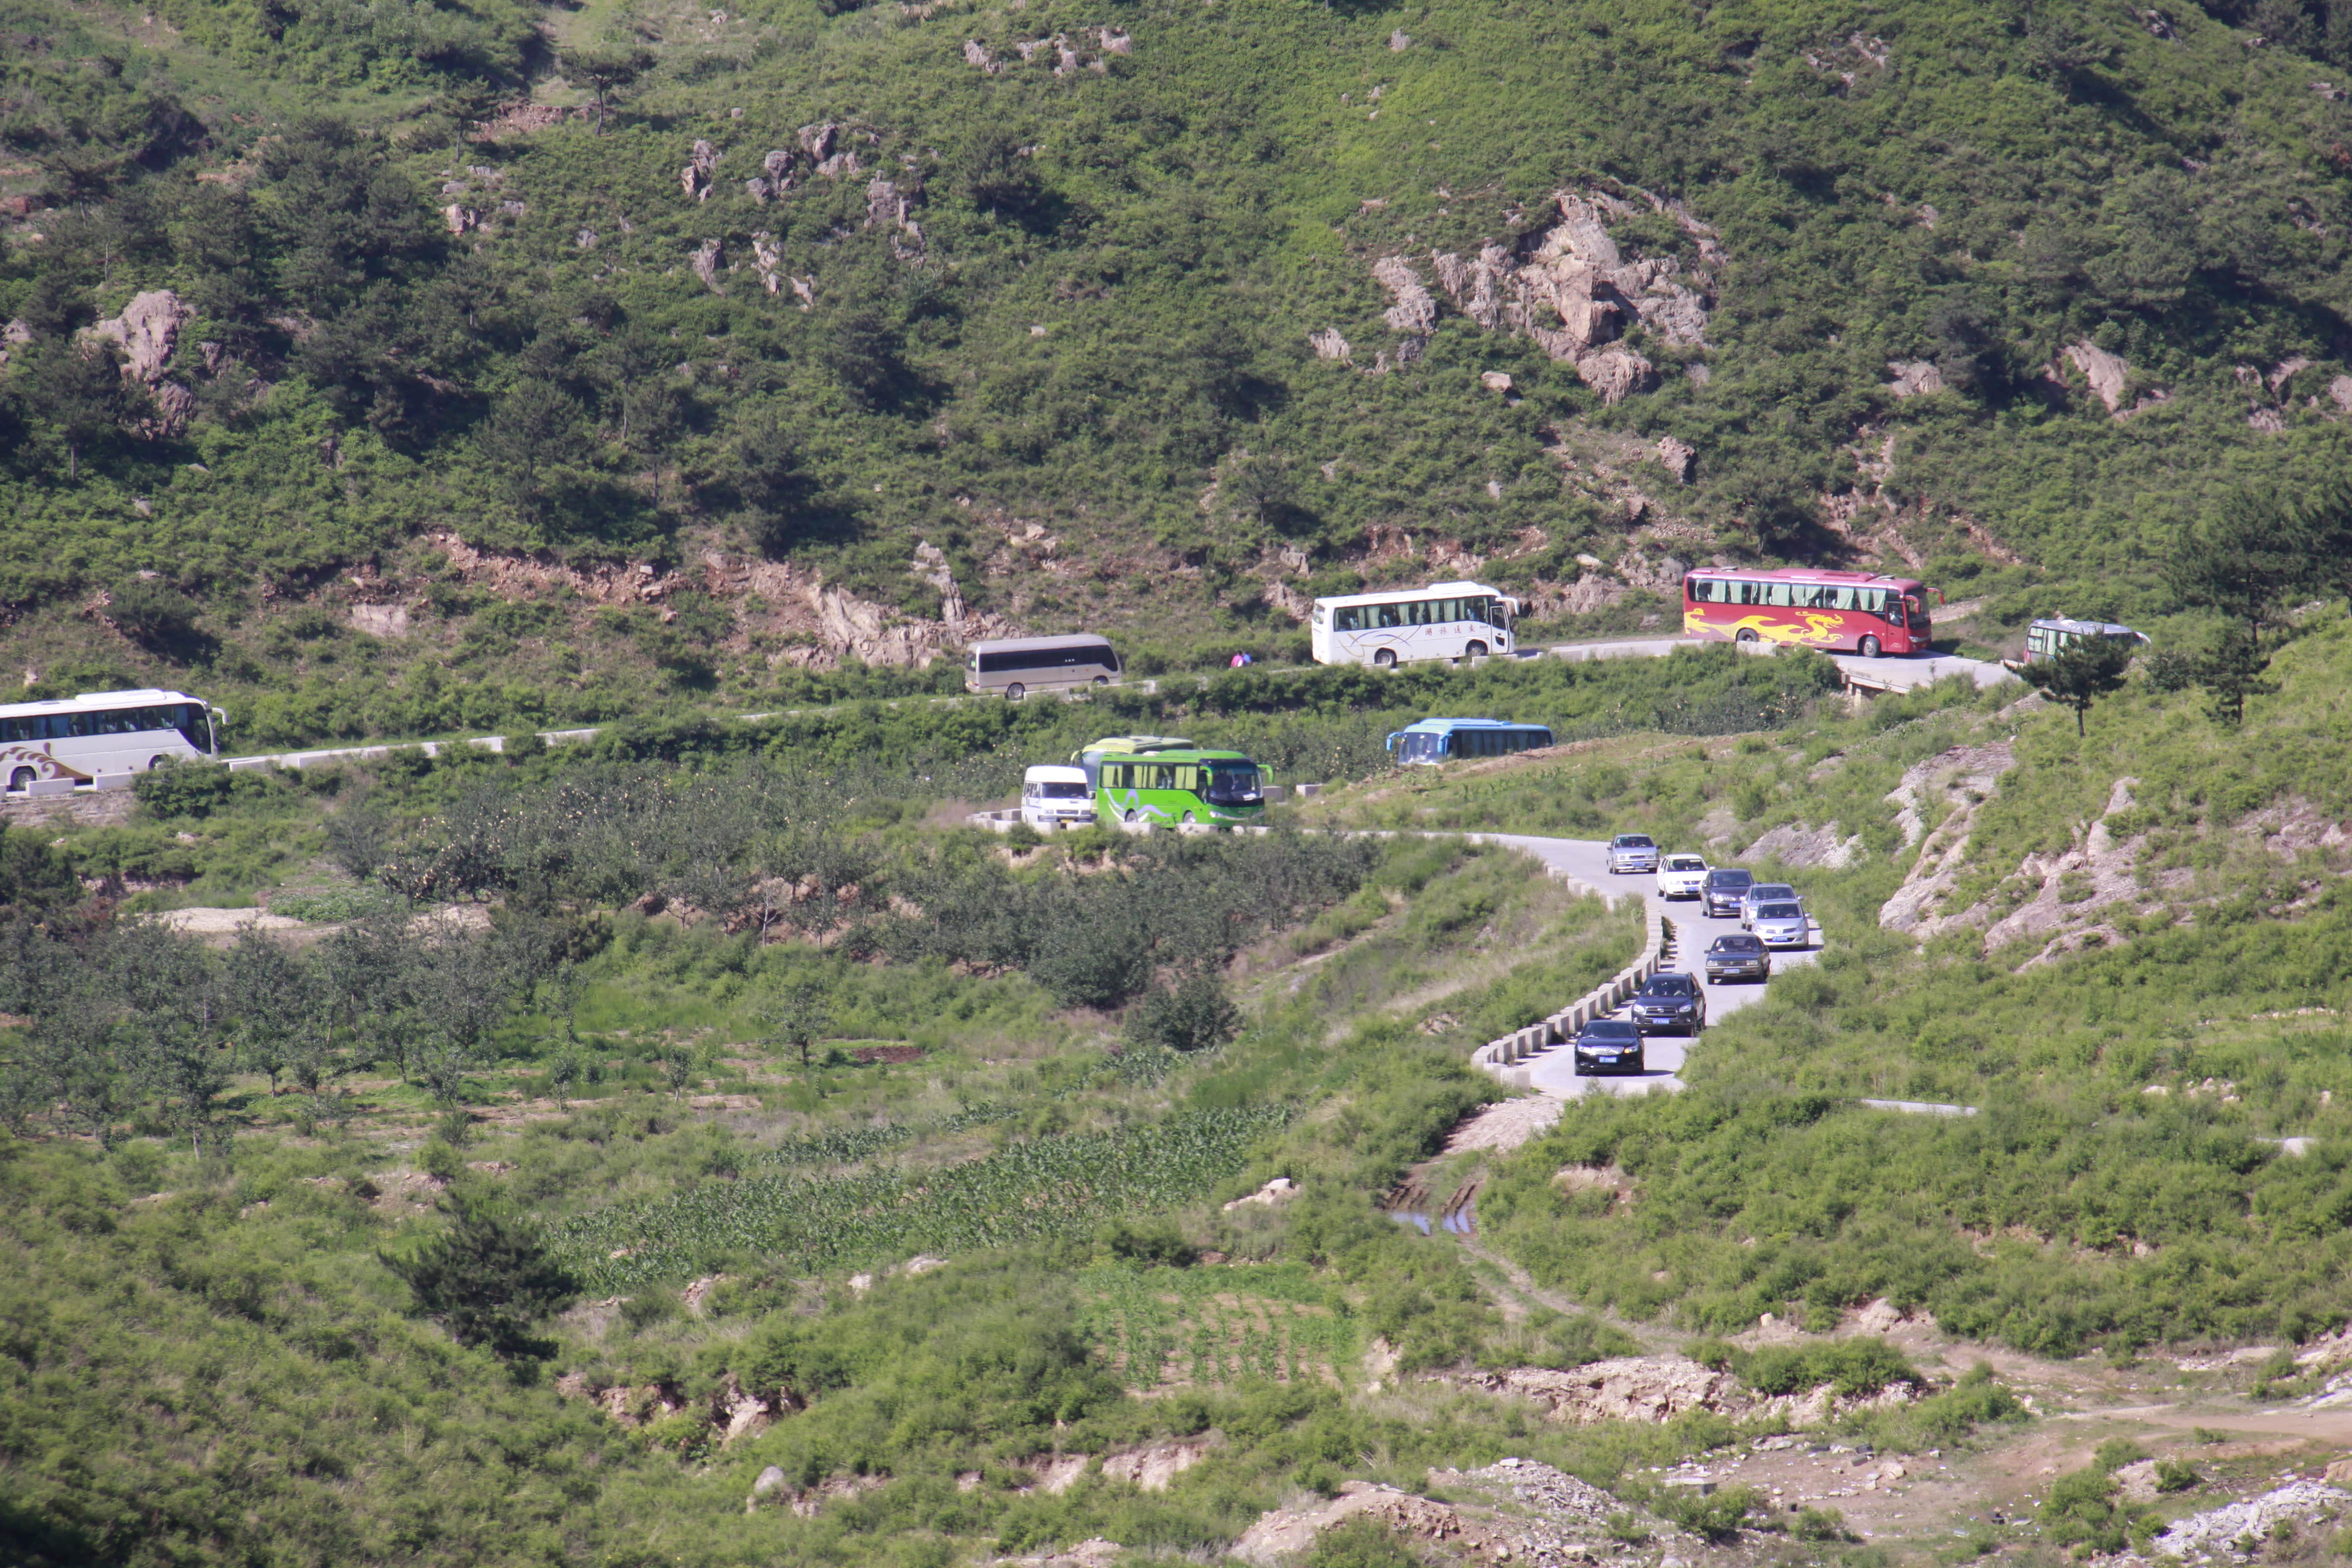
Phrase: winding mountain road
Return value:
(1586, 861)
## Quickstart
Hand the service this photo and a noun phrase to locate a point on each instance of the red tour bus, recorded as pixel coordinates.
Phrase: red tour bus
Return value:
(1842, 611)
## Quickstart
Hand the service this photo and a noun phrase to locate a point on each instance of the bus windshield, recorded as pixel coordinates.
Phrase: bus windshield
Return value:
(1231, 783)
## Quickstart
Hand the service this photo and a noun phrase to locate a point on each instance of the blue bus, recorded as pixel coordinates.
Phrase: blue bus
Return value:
(1445, 740)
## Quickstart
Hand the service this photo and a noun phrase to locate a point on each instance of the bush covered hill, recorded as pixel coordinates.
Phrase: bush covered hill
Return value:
(702, 1147)
(623, 356)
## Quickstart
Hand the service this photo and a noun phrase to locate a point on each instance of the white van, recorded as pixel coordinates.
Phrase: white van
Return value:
(1054, 795)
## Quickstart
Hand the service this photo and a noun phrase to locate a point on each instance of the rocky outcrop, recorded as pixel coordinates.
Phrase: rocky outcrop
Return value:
(1092, 1552)
(1274, 1193)
(774, 1490)
(1794, 843)
(1914, 378)
(1152, 1466)
(148, 331)
(695, 178)
(1627, 1388)
(832, 623)
(1963, 777)
(1285, 1534)
(2109, 375)
(1570, 287)
(1329, 344)
(768, 259)
(891, 205)
(1678, 456)
(705, 263)
(1414, 313)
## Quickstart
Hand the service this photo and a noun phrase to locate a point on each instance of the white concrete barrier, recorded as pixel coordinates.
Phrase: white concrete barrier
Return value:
(1501, 1057)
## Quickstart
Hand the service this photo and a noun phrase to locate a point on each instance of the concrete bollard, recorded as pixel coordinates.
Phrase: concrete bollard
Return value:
(50, 788)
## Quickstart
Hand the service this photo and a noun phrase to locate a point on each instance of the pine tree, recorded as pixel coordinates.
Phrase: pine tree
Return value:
(487, 1279)
(2081, 672)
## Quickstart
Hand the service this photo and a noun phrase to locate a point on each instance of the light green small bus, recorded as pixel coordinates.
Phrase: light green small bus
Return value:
(1224, 789)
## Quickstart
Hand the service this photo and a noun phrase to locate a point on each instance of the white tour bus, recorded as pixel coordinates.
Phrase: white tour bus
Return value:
(1444, 620)
(1018, 665)
(101, 734)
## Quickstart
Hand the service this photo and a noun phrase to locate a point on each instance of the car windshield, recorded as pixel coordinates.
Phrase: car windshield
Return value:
(1780, 891)
(1668, 985)
(1729, 879)
(1054, 789)
(1684, 863)
(1779, 912)
(1610, 1029)
(1634, 841)
(1737, 945)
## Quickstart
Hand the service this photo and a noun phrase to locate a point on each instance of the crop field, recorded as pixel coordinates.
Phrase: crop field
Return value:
(1046, 1188)
(1162, 1330)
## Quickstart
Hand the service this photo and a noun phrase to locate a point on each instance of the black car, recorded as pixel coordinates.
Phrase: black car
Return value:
(1738, 957)
(1608, 1045)
(1724, 890)
(1669, 1003)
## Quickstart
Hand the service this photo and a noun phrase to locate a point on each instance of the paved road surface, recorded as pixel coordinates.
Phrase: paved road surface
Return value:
(1889, 673)
(1587, 861)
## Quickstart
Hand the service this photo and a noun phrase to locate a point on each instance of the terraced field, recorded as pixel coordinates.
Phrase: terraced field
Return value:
(1164, 1329)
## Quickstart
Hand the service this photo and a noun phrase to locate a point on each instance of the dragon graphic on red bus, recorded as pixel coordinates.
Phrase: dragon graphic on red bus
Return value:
(1838, 612)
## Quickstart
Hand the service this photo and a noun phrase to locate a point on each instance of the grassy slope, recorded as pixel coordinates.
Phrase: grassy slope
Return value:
(2076, 1209)
(193, 1375)
(1194, 215)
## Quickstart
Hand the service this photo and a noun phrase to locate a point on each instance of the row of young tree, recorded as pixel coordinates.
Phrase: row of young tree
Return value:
(136, 1023)
(130, 1022)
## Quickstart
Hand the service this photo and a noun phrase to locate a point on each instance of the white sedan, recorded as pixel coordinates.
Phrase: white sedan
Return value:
(1680, 876)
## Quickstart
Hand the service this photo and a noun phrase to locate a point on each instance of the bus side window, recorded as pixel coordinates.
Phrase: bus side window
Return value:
(1348, 618)
(1777, 595)
(1389, 615)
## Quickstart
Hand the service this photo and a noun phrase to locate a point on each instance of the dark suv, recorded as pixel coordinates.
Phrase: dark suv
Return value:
(1608, 1045)
(1738, 957)
(1724, 890)
(1669, 1003)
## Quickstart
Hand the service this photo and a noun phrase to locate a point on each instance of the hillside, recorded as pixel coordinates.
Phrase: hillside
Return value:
(451, 397)
(695, 1136)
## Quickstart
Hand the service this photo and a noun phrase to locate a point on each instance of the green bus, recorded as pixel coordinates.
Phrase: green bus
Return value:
(1161, 787)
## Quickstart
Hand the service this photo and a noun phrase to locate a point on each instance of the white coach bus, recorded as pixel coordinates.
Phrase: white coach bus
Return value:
(100, 734)
(1444, 620)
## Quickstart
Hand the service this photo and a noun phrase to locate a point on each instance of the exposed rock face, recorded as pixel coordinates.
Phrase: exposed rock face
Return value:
(1415, 312)
(705, 265)
(1794, 844)
(808, 1502)
(381, 620)
(1286, 1532)
(1568, 286)
(768, 258)
(461, 219)
(2108, 373)
(888, 206)
(1329, 344)
(1092, 1552)
(1152, 1467)
(1678, 456)
(148, 331)
(1274, 1193)
(2339, 391)
(1628, 1388)
(1965, 776)
(1914, 378)
(695, 178)
(931, 564)
(817, 140)
(976, 53)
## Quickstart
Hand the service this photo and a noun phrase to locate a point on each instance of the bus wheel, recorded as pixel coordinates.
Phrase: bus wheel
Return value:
(155, 762)
(1191, 820)
(1132, 817)
(1475, 650)
(21, 780)
(1102, 680)
(1747, 634)
(1384, 658)
(1015, 692)
(1870, 647)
